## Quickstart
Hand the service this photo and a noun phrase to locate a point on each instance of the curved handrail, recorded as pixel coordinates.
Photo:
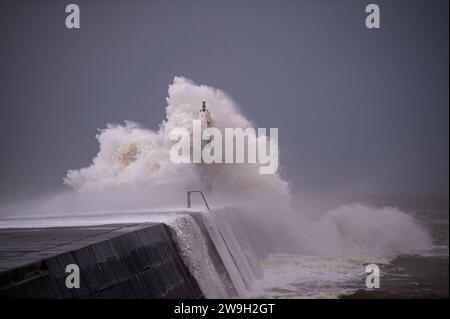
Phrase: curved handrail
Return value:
(189, 198)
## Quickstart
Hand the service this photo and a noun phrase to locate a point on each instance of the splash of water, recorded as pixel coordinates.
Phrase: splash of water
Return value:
(134, 157)
(133, 170)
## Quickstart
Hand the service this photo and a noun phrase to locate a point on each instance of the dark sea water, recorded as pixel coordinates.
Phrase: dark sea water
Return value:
(416, 276)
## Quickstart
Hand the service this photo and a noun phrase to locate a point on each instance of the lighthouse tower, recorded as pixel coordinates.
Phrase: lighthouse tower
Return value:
(205, 120)
(204, 117)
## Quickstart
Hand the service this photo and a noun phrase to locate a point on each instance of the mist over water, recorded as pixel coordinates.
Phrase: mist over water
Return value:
(133, 170)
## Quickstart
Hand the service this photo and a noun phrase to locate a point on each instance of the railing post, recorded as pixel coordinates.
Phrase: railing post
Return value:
(188, 199)
(204, 199)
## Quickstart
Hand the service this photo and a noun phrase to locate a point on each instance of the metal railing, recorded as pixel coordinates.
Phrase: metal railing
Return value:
(189, 198)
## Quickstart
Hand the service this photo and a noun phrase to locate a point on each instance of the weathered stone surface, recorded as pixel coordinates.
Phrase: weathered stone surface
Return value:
(116, 261)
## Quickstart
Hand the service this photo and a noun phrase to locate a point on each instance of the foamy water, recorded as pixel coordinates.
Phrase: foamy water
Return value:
(270, 249)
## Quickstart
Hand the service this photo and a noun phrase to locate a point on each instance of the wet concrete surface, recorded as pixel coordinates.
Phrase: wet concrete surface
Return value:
(115, 261)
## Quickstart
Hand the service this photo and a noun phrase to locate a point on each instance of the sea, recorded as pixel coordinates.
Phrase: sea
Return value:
(418, 275)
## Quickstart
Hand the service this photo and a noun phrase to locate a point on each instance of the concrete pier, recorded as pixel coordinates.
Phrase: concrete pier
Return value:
(115, 261)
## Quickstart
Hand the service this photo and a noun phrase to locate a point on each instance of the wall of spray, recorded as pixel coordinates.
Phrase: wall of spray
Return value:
(132, 171)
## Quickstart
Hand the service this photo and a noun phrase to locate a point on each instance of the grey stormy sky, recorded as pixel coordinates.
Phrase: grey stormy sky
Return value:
(358, 110)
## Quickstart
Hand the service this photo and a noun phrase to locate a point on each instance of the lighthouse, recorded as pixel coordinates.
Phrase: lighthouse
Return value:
(204, 117)
(205, 120)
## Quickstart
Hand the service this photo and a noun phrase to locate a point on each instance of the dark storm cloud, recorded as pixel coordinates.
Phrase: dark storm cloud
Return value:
(358, 109)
